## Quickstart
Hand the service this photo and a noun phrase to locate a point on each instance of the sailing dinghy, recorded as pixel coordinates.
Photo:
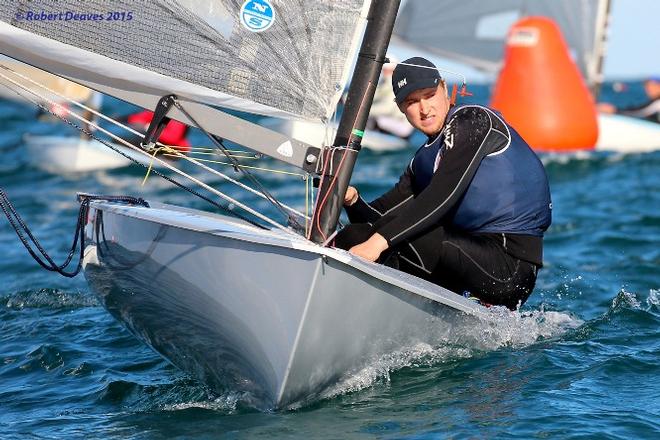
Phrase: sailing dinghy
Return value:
(260, 306)
(69, 154)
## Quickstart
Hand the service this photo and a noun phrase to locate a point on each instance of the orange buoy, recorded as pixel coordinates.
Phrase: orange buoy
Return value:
(540, 90)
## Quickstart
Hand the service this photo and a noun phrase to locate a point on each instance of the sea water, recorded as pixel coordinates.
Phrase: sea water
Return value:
(581, 359)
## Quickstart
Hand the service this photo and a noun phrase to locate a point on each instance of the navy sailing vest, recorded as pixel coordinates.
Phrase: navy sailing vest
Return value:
(508, 194)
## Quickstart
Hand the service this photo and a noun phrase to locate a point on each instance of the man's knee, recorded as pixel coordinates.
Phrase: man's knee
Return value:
(514, 292)
(352, 235)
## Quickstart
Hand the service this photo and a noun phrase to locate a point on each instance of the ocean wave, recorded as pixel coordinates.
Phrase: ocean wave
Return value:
(47, 357)
(627, 313)
(48, 298)
(182, 394)
(625, 300)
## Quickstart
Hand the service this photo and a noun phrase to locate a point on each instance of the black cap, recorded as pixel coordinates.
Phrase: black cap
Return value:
(413, 74)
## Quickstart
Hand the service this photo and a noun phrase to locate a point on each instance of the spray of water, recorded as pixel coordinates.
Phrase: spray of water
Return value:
(502, 328)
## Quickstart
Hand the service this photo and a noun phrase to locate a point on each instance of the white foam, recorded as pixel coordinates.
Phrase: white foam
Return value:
(502, 328)
(226, 403)
(564, 158)
(625, 300)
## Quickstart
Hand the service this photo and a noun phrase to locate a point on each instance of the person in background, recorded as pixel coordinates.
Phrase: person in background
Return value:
(174, 133)
(649, 110)
(384, 114)
(469, 211)
(94, 102)
(91, 99)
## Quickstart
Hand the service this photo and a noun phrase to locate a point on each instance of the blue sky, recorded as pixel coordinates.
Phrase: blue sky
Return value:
(633, 48)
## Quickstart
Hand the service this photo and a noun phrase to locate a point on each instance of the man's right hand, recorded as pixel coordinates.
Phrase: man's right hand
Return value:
(351, 196)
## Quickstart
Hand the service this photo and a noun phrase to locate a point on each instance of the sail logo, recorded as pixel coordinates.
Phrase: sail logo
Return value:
(286, 149)
(257, 15)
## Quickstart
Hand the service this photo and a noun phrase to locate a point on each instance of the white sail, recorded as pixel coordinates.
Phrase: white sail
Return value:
(474, 31)
(293, 63)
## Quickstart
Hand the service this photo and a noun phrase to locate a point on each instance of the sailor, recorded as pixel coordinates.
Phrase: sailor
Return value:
(174, 134)
(471, 207)
(649, 110)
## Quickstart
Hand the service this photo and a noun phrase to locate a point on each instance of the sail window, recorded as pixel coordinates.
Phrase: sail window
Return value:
(496, 26)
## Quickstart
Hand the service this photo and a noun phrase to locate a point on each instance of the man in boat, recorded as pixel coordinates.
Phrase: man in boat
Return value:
(174, 134)
(649, 110)
(471, 207)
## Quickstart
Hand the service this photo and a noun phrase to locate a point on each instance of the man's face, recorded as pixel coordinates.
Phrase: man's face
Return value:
(652, 88)
(426, 109)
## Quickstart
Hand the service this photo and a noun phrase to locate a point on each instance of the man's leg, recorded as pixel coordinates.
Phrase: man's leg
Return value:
(477, 264)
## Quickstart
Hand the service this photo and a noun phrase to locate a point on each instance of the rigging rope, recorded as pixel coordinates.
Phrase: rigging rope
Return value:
(117, 150)
(130, 145)
(333, 182)
(30, 241)
(241, 166)
(166, 164)
(221, 147)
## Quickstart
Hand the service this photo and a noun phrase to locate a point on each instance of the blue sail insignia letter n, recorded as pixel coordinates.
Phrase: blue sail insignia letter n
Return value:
(257, 15)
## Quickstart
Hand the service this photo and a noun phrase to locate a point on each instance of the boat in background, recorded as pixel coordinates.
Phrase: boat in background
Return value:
(56, 97)
(627, 134)
(71, 154)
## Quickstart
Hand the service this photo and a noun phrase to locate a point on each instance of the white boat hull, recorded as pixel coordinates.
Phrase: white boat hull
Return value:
(625, 134)
(320, 135)
(258, 311)
(60, 154)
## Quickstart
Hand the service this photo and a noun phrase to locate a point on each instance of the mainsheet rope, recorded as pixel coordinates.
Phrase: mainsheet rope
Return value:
(40, 255)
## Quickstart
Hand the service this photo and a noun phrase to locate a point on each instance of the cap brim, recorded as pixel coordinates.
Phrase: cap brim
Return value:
(423, 83)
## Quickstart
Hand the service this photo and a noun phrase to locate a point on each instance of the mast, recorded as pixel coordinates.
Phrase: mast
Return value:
(595, 68)
(339, 160)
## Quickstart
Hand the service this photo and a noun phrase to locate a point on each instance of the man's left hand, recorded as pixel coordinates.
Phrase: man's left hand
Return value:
(370, 249)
